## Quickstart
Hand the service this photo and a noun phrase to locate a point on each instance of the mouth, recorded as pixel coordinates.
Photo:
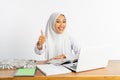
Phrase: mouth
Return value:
(61, 28)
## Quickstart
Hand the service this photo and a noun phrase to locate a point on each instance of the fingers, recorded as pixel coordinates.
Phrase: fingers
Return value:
(41, 39)
(60, 57)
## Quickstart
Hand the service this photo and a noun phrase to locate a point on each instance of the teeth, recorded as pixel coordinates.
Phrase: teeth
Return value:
(61, 28)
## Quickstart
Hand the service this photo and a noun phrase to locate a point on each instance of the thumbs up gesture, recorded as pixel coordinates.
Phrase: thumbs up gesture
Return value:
(41, 40)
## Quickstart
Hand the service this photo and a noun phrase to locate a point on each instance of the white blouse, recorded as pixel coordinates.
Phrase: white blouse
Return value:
(74, 49)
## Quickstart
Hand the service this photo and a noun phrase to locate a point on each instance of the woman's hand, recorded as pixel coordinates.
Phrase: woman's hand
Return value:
(41, 40)
(62, 56)
(59, 57)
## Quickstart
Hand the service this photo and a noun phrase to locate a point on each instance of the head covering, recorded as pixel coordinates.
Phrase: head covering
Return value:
(56, 44)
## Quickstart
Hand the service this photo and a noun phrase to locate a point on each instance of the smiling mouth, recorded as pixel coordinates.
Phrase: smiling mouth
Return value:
(61, 28)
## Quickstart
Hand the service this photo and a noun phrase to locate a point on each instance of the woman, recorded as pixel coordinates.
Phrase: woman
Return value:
(56, 43)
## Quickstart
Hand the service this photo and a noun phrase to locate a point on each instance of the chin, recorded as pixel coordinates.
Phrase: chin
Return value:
(60, 32)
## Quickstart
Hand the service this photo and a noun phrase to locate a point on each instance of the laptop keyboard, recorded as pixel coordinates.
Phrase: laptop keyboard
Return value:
(73, 66)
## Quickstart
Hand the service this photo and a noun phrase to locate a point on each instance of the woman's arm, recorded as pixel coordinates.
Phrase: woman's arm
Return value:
(75, 46)
(40, 46)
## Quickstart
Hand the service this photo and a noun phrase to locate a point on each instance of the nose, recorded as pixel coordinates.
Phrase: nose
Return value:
(61, 24)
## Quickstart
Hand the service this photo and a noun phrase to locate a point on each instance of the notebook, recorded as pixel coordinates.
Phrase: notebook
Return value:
(51, 69)
(25, 72)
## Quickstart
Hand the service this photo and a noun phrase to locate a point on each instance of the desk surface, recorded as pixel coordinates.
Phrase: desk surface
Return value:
(111, 72)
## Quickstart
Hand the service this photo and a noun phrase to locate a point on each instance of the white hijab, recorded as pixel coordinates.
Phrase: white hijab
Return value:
(56, 44)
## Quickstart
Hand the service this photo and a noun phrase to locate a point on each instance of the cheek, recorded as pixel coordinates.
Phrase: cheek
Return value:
(56, 26)
(65, 25)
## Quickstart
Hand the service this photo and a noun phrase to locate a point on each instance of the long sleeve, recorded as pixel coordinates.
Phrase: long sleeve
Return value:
(75, 46)
(39, 52)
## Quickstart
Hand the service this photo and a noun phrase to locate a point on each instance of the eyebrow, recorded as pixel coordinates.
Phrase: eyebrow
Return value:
(59, 19)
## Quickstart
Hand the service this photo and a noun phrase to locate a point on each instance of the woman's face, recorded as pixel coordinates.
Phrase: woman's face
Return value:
(60, 24)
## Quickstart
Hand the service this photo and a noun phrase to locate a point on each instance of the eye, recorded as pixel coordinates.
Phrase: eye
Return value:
(64, 21)
(57, 21)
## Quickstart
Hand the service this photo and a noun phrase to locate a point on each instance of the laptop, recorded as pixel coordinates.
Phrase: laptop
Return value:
(89, 59)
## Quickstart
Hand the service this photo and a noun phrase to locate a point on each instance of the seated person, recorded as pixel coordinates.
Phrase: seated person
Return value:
(56, 43)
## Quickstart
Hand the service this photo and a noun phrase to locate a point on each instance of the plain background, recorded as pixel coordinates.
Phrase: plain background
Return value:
(91, 22)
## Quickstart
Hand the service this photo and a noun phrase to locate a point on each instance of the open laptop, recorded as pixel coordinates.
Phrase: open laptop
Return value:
(89, 58)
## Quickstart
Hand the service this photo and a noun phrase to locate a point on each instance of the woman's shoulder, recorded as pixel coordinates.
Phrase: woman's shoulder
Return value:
(71, 37)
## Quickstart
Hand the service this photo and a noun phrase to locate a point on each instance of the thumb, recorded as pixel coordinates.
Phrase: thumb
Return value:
(42, 34)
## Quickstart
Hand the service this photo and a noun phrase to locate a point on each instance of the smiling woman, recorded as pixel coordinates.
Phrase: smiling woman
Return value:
(56, 43)
(60, 24)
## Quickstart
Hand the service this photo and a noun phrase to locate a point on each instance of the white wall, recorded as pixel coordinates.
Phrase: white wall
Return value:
(93, 23)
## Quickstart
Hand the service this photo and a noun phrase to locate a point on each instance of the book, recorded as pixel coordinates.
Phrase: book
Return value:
(25, 72)
(51, 69)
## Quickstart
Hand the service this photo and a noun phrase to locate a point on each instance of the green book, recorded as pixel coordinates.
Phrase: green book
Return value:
(25, 72)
